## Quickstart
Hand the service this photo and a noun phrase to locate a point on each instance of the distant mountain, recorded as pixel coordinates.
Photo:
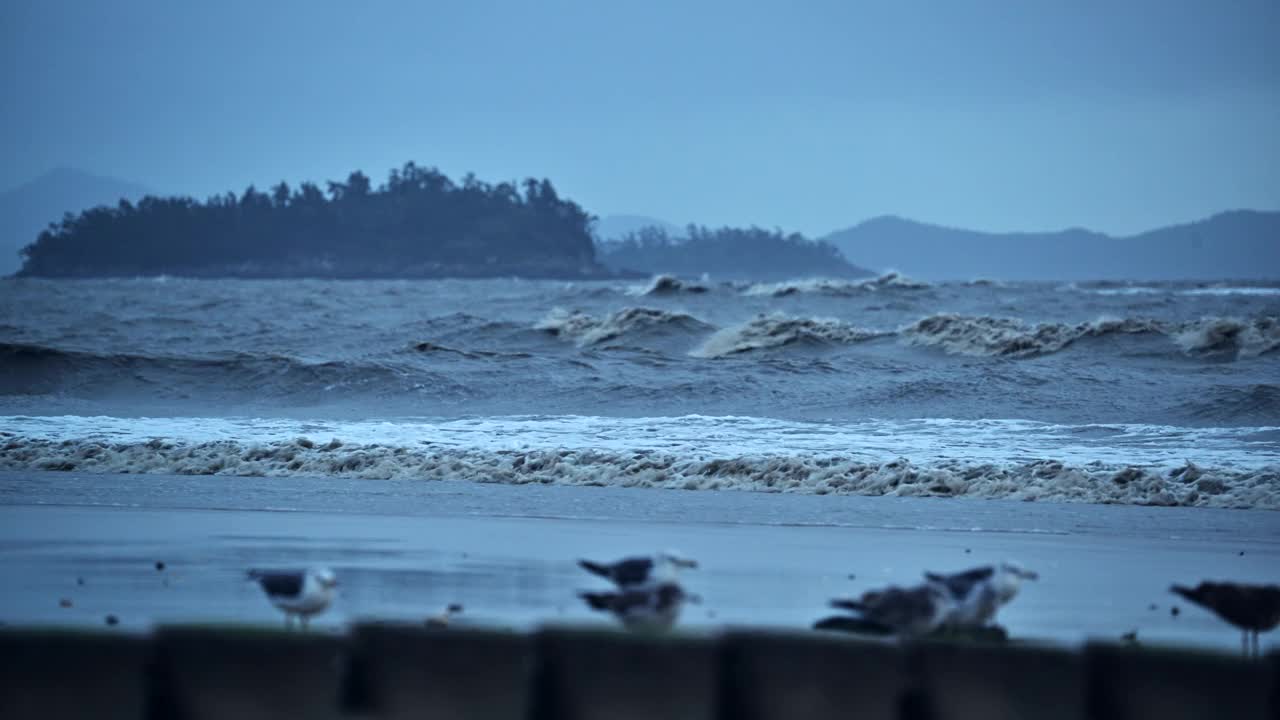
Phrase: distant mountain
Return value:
(1241, 244)
(28, 209)
(616, 227)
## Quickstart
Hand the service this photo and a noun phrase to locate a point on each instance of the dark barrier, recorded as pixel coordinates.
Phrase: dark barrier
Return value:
(210, 674)
(56, 675)
(393, 671)
(458, 675)
(587, 674)
(1170, 685)
(772, 676)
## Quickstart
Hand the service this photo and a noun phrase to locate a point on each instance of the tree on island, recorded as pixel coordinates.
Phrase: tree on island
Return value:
(419, 223)
(727, 253)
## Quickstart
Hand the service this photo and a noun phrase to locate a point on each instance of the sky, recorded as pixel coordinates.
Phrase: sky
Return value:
(809, 116)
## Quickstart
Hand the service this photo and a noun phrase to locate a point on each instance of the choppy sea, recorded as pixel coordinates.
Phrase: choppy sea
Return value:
(1130, 393)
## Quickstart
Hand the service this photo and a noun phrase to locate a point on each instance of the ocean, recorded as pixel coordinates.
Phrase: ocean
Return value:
(1122, 393)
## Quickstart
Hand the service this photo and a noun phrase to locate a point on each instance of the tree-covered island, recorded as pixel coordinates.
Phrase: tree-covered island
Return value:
(417, 224)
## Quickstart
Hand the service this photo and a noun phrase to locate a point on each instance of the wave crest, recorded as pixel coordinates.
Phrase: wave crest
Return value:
(778, 330)
(587, 329)
(994, 336)
(1234, 336)
(671, 285)
(839, 288)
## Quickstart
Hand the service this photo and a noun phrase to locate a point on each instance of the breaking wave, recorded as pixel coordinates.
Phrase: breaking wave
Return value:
(995, 336)
(1047, 480)
(587, 329)
(778, 330)
(983, 335)
(1242, 338)
(671, 285)
(823, 286)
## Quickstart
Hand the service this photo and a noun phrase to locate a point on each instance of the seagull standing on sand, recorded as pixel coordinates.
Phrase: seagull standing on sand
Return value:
(980, 592)
(1252, 608)
(905, 612)
(442, 620)
(654, 607)
(634, 572)
(300, 593)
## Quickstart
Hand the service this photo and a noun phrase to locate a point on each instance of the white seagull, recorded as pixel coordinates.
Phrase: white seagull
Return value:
(980, 592)
(654, 607)
(300, 593)
(634, 572)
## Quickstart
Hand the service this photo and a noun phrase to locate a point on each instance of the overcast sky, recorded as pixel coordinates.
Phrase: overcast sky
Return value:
(812, 116)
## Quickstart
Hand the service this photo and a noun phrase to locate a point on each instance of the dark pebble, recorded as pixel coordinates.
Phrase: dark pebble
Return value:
(1241, 553)
(967, 551)
(64, 602)
(1174, 611)
(113, 620)
(159, 565)
(1130, 637)
(852, 576)
(1153, 606)
(80, 581)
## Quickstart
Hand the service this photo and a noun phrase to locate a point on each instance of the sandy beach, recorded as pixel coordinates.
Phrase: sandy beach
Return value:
(404, 549)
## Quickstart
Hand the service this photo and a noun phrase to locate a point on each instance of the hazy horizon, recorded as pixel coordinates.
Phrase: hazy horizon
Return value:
(990, 116)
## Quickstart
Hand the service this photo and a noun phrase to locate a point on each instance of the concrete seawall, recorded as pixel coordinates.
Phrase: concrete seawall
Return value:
(393, 671)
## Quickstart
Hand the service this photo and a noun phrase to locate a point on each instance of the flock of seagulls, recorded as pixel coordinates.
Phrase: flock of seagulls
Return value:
(960, 601)
(647, 596)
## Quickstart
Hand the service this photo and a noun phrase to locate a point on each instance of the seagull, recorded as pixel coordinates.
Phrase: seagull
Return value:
(300, 593)
(663, 567)
(442, 620)
(655, 607)
(979, 593)
(1252, 608)
(906, 612)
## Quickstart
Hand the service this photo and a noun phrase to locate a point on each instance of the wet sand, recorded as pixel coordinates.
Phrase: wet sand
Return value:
(404, 549)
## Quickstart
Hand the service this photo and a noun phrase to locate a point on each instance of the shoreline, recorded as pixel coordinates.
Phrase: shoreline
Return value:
(505, 554)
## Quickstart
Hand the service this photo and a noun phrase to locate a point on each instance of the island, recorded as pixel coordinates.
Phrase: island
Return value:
(727, 254)
(418, 224)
